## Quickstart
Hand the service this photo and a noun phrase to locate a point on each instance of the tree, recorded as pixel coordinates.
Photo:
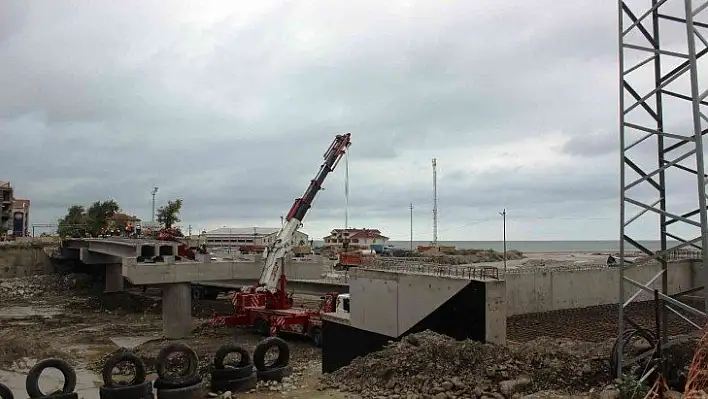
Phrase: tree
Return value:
(78, 221)
(73, 224)
(168, 215)
(99, 213)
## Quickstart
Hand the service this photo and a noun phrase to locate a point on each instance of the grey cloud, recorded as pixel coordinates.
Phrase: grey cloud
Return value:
(99, 102)
(592, 144)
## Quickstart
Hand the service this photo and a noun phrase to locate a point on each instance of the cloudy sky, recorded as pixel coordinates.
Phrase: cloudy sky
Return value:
(230, 106)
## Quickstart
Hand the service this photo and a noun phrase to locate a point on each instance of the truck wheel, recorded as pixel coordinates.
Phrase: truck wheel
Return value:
(5, 392)
(275, 374)
(262, 327)
(316, 335)
(262, 348)
(196, 391)
(32, 381)
(188, 382)
(123, 357)
(143, 390)
(227, 349)
(228, 374)
(192, 363)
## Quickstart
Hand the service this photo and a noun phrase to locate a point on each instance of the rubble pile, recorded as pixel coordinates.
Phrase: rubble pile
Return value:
(23, 288)
(431, 365)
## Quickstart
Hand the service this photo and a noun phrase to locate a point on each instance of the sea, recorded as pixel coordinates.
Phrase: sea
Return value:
(533, 246)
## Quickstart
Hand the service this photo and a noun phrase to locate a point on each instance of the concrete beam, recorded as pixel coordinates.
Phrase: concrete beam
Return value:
(176, 310)
(180, 272)
(94, 258)
(306, 287)
(124, 247)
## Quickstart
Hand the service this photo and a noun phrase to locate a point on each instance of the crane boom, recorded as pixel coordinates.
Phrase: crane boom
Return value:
(270, 276)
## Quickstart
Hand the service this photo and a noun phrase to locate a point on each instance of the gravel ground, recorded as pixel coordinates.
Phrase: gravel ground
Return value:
(70, 318)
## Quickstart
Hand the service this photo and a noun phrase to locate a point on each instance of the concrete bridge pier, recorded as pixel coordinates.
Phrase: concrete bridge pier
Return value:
(114, 277)
(176, 310)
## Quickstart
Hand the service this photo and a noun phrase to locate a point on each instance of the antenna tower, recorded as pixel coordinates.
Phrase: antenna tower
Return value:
(435, 202)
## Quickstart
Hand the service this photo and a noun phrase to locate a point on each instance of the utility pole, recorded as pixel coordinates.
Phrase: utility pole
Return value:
(189, 231)
(154, 191)
(411, 208)
(435, 203)
(503, 214)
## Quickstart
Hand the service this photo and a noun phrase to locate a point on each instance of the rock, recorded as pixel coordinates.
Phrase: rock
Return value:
(610, 394)
(510, 387)
(428, 364)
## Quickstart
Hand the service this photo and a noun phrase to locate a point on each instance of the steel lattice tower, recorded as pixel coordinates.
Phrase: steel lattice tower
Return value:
(663, 82)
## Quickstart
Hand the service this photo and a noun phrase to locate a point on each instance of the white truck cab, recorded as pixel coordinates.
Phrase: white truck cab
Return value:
(343, 303)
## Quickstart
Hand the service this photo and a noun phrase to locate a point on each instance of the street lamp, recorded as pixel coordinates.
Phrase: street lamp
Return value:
(154, 191)
(503, 214)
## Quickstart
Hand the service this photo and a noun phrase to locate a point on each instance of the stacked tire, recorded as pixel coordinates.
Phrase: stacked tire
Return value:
(32, 381)
(5, 392)
(234, 377)
(276, 370)
(136, 388)
(184, 385)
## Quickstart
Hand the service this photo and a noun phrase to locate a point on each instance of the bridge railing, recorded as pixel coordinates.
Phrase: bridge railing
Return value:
(466, 272)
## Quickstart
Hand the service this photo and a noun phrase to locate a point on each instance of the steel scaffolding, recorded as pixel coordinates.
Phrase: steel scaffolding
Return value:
(662, 122)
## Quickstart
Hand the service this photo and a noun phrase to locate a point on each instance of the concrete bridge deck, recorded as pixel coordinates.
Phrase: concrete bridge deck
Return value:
(126, 259)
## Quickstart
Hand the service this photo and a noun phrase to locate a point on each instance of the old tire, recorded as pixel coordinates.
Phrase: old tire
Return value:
(262, 327)
(190, 368)
(316, 335)
(196, 293)
(32, 381)
(229, 373)
(137, 391)
(121, 357)
(63, 396)
(178, 383)
(274, 374)
(263, 347)
(225, 350)
(5, 392)
(236, 385)
(196, 391)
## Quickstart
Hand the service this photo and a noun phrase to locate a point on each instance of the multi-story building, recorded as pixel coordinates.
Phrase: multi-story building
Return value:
(6, 197)
(357, 238)
(235, 237)
(20, 217)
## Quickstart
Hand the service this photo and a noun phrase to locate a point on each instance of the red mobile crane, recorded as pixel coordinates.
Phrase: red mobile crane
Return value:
(266, 305)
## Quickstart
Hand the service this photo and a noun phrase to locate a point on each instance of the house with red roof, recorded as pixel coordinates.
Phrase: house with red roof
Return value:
(357, 238)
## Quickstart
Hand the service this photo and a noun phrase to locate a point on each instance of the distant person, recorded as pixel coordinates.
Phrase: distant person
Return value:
(611, 261)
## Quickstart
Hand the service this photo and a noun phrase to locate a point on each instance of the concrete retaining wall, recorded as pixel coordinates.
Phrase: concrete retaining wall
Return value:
(20, 261)
(556, 290)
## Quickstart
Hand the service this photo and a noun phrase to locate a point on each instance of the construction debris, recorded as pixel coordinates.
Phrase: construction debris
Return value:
(430, 365)
(24, 288)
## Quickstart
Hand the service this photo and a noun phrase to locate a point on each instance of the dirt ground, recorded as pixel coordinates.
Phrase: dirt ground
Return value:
(70, 318)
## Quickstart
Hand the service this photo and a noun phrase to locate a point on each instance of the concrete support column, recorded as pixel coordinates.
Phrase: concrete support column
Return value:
(495, 312)
(114, 277)
(176, 310)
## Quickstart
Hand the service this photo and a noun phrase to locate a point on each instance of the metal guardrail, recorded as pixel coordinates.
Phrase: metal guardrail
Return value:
(467, 272)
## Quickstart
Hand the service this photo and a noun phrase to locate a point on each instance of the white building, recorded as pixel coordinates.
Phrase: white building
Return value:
(357, 238)
(234, 237)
